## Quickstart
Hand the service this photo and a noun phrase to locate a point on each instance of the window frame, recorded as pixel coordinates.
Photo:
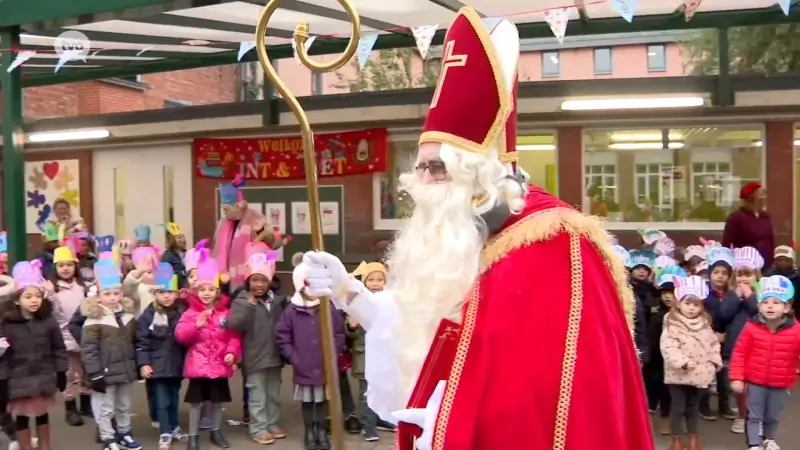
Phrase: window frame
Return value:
(545, 56)
(610, 61)
(317, 83)
(652, 68)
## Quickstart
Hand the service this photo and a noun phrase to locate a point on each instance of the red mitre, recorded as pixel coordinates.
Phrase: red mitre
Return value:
(471, 102)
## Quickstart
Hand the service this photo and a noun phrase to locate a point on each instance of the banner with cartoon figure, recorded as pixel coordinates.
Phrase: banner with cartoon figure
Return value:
(347, 153)
(46, 181)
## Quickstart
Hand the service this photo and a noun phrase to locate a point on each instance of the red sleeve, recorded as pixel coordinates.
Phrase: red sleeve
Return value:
(740, 352)
(731, 234)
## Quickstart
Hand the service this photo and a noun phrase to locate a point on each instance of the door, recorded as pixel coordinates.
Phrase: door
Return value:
(143, 187)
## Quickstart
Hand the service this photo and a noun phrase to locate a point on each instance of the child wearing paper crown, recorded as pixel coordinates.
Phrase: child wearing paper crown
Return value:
(109, 356)
(176, 251)
(138, 284)
(212, 351)
(645, 294)
(297, 329)
(69, 291)
(737, 307)
(141, 234)
(691, 358)
(159, 355)
(255, 313)
(784, 265)
(34, 363)
(764, 362)
(51, 238)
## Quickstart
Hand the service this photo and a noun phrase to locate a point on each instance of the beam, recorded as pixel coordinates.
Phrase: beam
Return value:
(13, 157)
(715, 19)
(452, 5)
(24, 12)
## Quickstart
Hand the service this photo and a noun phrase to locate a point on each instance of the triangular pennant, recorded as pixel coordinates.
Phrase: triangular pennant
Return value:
(690, 7)
(245, 47)
(67, 56)
(20, 59)
(557, 18)
(785, 5)
(307, 45)
(491, 22)
(424, 35)
(625, 8)
(365, 46)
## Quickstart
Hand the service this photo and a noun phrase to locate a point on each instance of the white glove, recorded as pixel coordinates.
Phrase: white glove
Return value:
(326, 276)
(424, 418)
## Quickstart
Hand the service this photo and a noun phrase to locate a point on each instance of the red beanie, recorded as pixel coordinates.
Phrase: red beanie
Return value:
(748, 189)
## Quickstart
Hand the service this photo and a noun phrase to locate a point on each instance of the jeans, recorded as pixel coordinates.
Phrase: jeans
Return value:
(264, 402)
(369, 419)
(166, 392)
(685, 406)
(115, 403)
(152, 405)
(764, 408)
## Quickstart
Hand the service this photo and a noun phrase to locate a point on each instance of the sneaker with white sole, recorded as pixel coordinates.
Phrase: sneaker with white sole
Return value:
(737, 426)
(178, 434)
(165, 442)
(770, 444)
(155, 424)
(13, 445)
(127, 441)
(111, 445)
(370, 435)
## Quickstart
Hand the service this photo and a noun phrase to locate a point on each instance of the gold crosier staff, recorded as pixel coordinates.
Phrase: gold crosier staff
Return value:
(309, 155)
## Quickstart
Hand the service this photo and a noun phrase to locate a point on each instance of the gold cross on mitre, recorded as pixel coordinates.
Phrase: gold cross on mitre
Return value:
(449, 60)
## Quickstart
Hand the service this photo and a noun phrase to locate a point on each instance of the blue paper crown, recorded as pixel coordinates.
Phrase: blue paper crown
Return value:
(623, 255)
(163, 275)
(228, 193)
(776, 286)
(107, 275)
(719, 255)
(104, 243)
(142, 232)
(643, 258)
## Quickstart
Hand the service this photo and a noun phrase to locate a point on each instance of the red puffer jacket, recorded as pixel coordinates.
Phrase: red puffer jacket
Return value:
(766, 358)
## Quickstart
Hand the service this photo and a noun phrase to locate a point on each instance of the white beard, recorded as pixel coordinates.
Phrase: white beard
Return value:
(432, 265)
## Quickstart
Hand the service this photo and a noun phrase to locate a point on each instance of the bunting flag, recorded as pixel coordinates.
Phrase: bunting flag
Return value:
(67, 56)
(365, 46)
(307, 45)
(20, 59)
(625, 8)
(245, 47)
(690, 7)
(785, 5)
(423, 36)
(558, 18)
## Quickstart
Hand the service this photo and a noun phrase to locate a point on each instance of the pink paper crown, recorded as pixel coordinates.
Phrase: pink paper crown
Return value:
(26, 274)
(192, 256)
(141, 254)
(207, 269)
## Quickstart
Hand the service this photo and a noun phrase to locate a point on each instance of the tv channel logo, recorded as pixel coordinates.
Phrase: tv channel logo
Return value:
(72, 44)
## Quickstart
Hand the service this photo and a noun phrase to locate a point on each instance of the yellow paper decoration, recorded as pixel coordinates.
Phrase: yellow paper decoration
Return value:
(174, 229)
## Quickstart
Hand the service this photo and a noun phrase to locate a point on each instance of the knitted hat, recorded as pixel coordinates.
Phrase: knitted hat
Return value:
(720, 255)
(784, 251)
(776, 286)
(749, 189)
(142, 232)
(165, 277)
(623, 255)
(262, 263)
(27, 274)
(107, 275)
(747, 258)
(693, 286)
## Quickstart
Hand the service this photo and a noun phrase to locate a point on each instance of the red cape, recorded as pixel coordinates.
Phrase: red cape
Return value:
(545, 357)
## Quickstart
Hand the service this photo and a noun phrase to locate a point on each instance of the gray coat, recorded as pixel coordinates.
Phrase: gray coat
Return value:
(107, 343)
(257, 325)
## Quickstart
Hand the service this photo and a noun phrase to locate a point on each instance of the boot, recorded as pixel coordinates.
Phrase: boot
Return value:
(24, 439)
(322, 437)
(664, 427)
(72, 415)
(694, 442)
(677, 443)
(86, 405)
(218, 439)
(43, 434)
(193, 443)
(310, 440)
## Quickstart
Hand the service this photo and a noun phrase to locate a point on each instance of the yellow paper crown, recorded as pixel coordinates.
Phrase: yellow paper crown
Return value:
(365, 269)
(63, 254)
(173, 229)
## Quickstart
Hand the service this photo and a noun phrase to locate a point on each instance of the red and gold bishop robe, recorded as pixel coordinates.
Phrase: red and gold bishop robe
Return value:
(544, 358)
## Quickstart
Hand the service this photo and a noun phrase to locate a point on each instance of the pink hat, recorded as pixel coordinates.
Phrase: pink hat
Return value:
(26, 274)
(207, 269)
(262, 263)
(192, 256)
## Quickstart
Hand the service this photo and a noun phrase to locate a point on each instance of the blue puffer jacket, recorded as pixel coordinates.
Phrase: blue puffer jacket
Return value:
(713, 304)
(734, 313)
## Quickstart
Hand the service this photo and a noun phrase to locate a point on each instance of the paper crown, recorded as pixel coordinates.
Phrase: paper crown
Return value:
(695, 251)
(642, 258)
(263, 263)
(720, 255)
(701, 266)
(693, 286)
(50, 232)
(229, 193)
(142, 232)
(674, 270)
(623, 255)
(3, 242)
(104, 243)
(26, 274)
(125, 247)
(365, 269)
(207, 269)
(251, 248)
(63, 254)
(192, 256)
(473, 98)
(709, 244)
(784, 251)
(143, 254)
(651, 235)
(173, 229)
(747, 258)
(107, 275)
(776, 286)
(663, 262)
(664, 247)
(665, 279)
(164, 277)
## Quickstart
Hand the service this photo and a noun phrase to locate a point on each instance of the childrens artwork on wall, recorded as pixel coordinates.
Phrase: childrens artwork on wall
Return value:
(46, 181)
(301, 223)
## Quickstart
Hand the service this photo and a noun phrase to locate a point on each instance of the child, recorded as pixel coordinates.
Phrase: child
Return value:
(35, 362)
(691, 357)
(374, 277)
(141, 234)
(175, 252)
(159, 355)
(109, 356)
(693, 256)
(6, 420)
(138, 284)
(212, 351)
(784, 264)
(764, 361)
(738, 306)
(296, 329)
(254, 314)
(645, 294)
(67, 295)
(51, 238)
(86, 255)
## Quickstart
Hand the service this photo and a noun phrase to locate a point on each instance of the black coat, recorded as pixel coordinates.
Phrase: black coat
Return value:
(36, 352)
(156, 345)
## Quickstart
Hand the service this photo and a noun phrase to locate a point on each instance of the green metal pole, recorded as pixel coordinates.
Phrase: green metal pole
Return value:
(13, 139)
(725, 95)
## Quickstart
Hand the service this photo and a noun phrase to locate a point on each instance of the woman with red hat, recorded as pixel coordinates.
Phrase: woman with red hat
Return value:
(751, 225)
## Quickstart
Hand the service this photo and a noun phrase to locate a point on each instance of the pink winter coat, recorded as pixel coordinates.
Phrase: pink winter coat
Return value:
(208, 345)
(65, 302)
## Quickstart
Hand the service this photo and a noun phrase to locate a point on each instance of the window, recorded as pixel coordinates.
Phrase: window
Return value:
(316, 83)
(537, 156)
(391, 205)
(674, 178)
(176, 104)
(602, 61)
(551, 66)
(656, 58)
(131, 78)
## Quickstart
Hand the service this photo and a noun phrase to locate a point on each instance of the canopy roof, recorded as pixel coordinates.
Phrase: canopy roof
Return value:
(178, 35)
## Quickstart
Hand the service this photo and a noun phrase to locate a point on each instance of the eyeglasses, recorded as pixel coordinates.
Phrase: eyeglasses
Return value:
(436, 168)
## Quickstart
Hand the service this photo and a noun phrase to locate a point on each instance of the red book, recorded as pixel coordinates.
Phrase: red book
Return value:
(436, 368)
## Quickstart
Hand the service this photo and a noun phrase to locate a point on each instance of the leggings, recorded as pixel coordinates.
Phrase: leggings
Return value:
(685, 406)
(23, 422)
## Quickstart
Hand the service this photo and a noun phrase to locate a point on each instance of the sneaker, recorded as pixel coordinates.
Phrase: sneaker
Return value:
(206, 423)
(386, 426)
(165, 442)
(263, 438)
(770, 444)
(737, 426)
(178, 434)
(127, 441)
(13, 445)
(111, 445)
(370, 435)
(352, 425)
(276, 432)
(755, 447)
(155, 424)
